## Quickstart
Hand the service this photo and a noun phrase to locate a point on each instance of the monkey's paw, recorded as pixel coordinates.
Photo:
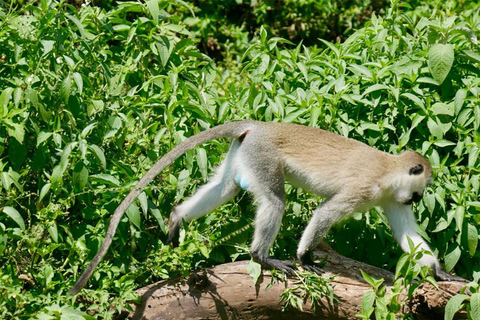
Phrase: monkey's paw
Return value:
(308, 263)
(285, 266)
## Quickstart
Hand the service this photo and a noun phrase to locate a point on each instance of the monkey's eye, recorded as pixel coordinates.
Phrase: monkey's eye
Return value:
(416, 170)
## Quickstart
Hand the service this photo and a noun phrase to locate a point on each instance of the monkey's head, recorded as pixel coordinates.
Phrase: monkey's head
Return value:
(414, 173)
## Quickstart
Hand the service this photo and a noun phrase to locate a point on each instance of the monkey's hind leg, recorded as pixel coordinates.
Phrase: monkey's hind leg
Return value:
(270, 197)
(220, 189)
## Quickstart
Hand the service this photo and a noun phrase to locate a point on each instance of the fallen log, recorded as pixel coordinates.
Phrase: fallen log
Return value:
(227, 292)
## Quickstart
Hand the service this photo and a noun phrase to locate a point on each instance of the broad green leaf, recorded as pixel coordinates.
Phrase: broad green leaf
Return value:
(475, 57)
(368, 300)
(459, 99)
(114, 123)
(202, 161)
(47, 46)
(459, 214)
(4, 100)
(78, 81)
(415, 99)
(99, 154)
(43, 136)
(80, 176)
(48, 274)
(44, 191)
(454, 305)
(182, 182)
(401, 264)
(452, 257)
(475, 305)
(142, 199)
(15, 215)
(444, 143)
(65, 89)
(52, 229)
(16, 130)
(375, 87)
(443, 108)
(254, 269)
(105, 179)
(78, 24)
(429, 201)
(472, 239)
(156, 213)
(133, 214)
(152, 6)
(440, 61)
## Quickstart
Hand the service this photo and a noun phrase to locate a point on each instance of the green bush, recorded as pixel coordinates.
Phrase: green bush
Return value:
(89, 99)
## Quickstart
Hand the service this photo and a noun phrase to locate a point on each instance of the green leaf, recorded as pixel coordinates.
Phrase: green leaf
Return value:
(182, 181)
(440, 61)
(475, 57)
(15, 215)
(114, 123)
(4, 100)
(452, 257)
(472, 239)
(48, 274)
(105, 179)
(52, 229)
(415, 99)
(78, 24)
(78, 81)
(44, 191)
(80, 176)
(401, 264)
(202, 161)
(254, 269)
(65, 89)
(157, 215)
(443, 108)
(133, 214)
(152, 6)
(475, 305)
(444, 143)
(142, 199)
(368, 300)
(454, 305)
(16, 130)
(375, 87)
(459, 99)
(43, 136)
(99, 154)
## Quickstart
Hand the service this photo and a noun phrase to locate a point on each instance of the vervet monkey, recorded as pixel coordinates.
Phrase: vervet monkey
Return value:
(350, 175)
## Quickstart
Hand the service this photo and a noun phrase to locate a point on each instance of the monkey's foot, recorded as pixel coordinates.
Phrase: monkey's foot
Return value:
(309, 264)
(286, 266)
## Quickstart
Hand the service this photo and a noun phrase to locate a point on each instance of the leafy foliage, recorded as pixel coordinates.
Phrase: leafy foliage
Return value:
(90, 98)
(383, 304)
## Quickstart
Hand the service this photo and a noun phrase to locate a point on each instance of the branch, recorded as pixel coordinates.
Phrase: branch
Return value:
(227, 292)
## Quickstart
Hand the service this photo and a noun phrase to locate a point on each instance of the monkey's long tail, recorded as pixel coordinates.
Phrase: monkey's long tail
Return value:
(228, 130)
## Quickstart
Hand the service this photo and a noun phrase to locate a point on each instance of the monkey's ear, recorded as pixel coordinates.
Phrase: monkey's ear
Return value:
(416, 170)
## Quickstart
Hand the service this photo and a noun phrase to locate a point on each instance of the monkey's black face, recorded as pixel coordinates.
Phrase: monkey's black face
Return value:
(416, 197)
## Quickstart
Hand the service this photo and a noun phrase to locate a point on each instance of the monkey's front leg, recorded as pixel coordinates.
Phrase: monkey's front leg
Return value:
(323, 217)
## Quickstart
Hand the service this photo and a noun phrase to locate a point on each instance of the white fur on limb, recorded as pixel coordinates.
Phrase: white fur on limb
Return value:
(402, 221)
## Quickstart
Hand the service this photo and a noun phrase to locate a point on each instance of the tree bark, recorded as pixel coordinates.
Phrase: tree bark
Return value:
(227, 292)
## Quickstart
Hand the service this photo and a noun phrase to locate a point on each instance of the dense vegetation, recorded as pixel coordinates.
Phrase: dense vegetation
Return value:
(91, 97)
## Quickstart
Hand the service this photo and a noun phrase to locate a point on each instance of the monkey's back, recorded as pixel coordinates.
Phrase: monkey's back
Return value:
(316, 159)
